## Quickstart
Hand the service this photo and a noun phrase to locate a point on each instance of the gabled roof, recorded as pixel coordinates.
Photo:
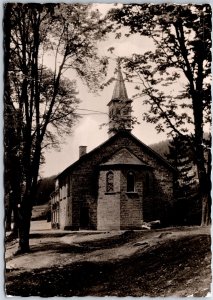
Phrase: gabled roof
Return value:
(124, 133)
(123, 157)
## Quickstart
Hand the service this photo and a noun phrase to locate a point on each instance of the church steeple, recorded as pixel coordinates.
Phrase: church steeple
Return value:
(119, 92)
(119, 106)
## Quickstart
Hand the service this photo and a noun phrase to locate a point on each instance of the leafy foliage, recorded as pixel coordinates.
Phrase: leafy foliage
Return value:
(44, 188)
(43, 41)
(161, 148)
(182, 158)
(182, 38)
(174, 78)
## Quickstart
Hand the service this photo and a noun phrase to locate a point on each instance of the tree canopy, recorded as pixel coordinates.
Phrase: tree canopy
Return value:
(42, 42)
(181, 56)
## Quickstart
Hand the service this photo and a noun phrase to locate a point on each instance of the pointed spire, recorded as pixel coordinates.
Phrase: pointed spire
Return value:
(119, 92)
(119, 106)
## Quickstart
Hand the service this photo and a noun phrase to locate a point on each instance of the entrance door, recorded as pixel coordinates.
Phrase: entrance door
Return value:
(84, 218)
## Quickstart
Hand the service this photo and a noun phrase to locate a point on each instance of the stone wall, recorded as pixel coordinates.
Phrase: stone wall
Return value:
(65, 202)
(84, 194)
(131, 202)
(163, 197)
(62, 214)
(85, 180)
(108, 210)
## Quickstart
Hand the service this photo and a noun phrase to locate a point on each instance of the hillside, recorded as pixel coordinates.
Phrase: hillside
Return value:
(154, 263)
(161, 148)
(45, 187)
(39, 212)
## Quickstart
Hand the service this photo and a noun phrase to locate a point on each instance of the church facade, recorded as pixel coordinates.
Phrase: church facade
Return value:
(118, 185)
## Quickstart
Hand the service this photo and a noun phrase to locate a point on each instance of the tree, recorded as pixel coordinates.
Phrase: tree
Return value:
(43, 101)
(175, 76)
(182, 158)
(12, 163)
(44, 188)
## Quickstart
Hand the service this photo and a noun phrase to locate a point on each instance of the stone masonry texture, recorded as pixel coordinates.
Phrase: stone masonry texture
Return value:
(86, 188)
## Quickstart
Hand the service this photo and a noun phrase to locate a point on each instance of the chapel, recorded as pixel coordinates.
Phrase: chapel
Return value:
(118, 185)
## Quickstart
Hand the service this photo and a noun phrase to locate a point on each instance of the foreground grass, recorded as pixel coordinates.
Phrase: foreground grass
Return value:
(174, 267)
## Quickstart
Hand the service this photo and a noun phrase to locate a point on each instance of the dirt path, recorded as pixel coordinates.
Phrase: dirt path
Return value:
(110, 260)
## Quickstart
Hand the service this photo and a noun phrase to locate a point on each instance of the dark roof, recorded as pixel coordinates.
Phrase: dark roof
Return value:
(120, 132)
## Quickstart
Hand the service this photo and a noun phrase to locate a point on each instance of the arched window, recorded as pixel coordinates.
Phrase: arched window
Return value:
(109, 182)
(130, 181)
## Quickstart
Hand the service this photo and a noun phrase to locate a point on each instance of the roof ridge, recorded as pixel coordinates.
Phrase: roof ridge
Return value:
(108, 140)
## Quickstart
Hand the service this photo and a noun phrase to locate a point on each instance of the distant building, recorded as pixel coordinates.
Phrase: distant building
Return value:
(118, 185)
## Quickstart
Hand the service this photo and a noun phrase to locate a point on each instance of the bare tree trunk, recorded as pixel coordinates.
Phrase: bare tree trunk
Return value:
(206, 201)
(8, 214)
(13, 208)
(203, 173)
(205, 220)
(25, 212)
(204, 185)
(15, 221)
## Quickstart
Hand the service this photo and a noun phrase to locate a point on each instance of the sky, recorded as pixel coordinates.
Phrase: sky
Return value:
(87, 131)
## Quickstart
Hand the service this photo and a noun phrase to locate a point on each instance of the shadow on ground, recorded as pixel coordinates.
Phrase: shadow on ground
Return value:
(178, 267)
(83, 247)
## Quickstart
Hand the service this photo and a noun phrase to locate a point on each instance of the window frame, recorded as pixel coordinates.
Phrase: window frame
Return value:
(108, 189)
(130, 184)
